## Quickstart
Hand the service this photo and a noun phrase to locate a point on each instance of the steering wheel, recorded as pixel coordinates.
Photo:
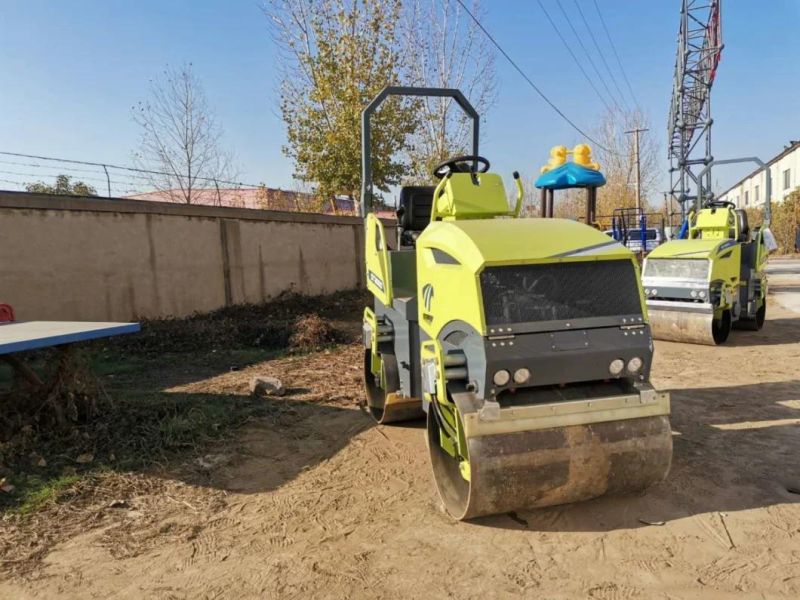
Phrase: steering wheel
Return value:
(720, 204)
(461, 164)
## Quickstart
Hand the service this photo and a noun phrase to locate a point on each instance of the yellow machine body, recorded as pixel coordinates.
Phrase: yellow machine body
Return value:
(697, 289)
(563, 435)
(524, 342)
(475, 244)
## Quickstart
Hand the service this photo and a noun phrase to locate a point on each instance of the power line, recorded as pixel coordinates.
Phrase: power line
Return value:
(528, 79)
(39, 175)
(70, 170)
(51, 167)
(588, 54)
(616, 55)
(600, 52)
(132, 169)
(572, 54)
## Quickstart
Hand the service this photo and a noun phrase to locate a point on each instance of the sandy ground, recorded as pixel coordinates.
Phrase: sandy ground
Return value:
(315, 502)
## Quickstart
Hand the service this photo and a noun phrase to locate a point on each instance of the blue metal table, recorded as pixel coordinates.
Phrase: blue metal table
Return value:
(31, 335)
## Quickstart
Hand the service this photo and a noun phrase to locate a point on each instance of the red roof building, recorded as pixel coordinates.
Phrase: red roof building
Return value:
(262, 198)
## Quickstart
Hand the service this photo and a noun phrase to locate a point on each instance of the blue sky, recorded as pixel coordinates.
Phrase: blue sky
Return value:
(70, 72)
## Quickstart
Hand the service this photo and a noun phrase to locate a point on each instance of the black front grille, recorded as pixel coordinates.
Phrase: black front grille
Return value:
(559, 291)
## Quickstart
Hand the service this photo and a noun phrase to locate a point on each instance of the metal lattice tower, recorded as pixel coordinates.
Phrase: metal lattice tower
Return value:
(699, 50)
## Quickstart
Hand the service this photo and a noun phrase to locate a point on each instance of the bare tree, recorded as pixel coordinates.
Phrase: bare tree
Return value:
(445, 48)
(181, 139)
(618, 161)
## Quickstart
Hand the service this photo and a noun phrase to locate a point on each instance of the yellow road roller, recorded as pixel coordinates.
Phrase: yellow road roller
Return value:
(700, 287)
(524, 342)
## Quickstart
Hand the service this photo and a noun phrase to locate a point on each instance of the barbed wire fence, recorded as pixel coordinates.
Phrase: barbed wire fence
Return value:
(20, 170)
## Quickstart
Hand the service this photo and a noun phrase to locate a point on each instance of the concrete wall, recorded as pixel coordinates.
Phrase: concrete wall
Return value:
(91, 259)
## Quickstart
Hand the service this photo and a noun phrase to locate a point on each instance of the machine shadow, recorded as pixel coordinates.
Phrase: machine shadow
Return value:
(775, 332)
(285, 438)
(171, 369)
(734, 448)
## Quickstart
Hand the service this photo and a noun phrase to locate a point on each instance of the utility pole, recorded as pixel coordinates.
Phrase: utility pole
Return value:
(636, 133)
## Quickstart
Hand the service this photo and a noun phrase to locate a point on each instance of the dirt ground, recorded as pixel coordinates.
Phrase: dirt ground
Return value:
(316, 502)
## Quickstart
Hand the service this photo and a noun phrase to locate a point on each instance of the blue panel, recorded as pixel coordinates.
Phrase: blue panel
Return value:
(67, 338)
(570, 175)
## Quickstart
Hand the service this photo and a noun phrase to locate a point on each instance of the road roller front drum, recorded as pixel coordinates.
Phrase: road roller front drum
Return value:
(546, 467)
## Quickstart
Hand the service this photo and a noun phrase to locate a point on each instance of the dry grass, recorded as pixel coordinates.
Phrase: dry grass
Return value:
(128, 504)
(312, 332)
(160, 400)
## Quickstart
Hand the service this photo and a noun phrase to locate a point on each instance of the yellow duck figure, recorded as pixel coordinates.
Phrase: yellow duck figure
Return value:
(582, 155)
(558, 156)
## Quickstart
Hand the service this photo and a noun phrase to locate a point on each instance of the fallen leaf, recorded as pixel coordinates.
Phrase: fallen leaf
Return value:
(85, 458)
(5, 486)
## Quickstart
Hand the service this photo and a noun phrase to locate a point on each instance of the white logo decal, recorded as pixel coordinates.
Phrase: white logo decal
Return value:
(375, 279)
(427, 296)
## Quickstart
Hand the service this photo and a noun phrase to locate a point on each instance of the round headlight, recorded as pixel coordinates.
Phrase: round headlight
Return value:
(702, 294)
(634, 364)
(501, 377)
(521, 375)
(654, 291)
(646, 291)
(616, 366)
(693, 293)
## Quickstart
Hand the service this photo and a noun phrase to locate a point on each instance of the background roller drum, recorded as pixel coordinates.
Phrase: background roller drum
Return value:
(383, 403)
(692, 327)
(753, 324)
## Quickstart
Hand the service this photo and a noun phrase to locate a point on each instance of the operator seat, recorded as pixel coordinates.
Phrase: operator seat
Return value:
(744, 227)
(414, 212)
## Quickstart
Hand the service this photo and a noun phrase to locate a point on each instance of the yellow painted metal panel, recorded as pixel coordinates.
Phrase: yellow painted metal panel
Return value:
(463, 199)
(688, 248)
(376, 252)
(564, 414)
(449, 292)
(515, 241)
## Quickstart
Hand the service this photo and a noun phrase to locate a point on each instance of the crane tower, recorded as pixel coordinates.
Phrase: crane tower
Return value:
(689, 135)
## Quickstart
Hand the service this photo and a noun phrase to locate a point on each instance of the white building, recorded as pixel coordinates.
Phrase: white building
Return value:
(751, 192)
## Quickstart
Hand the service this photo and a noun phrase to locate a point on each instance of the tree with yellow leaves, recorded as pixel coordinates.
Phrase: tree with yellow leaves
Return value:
(338, 54)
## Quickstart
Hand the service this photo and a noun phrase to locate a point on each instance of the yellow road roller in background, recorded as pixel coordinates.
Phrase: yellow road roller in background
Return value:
(699, 288)
(523, 341)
